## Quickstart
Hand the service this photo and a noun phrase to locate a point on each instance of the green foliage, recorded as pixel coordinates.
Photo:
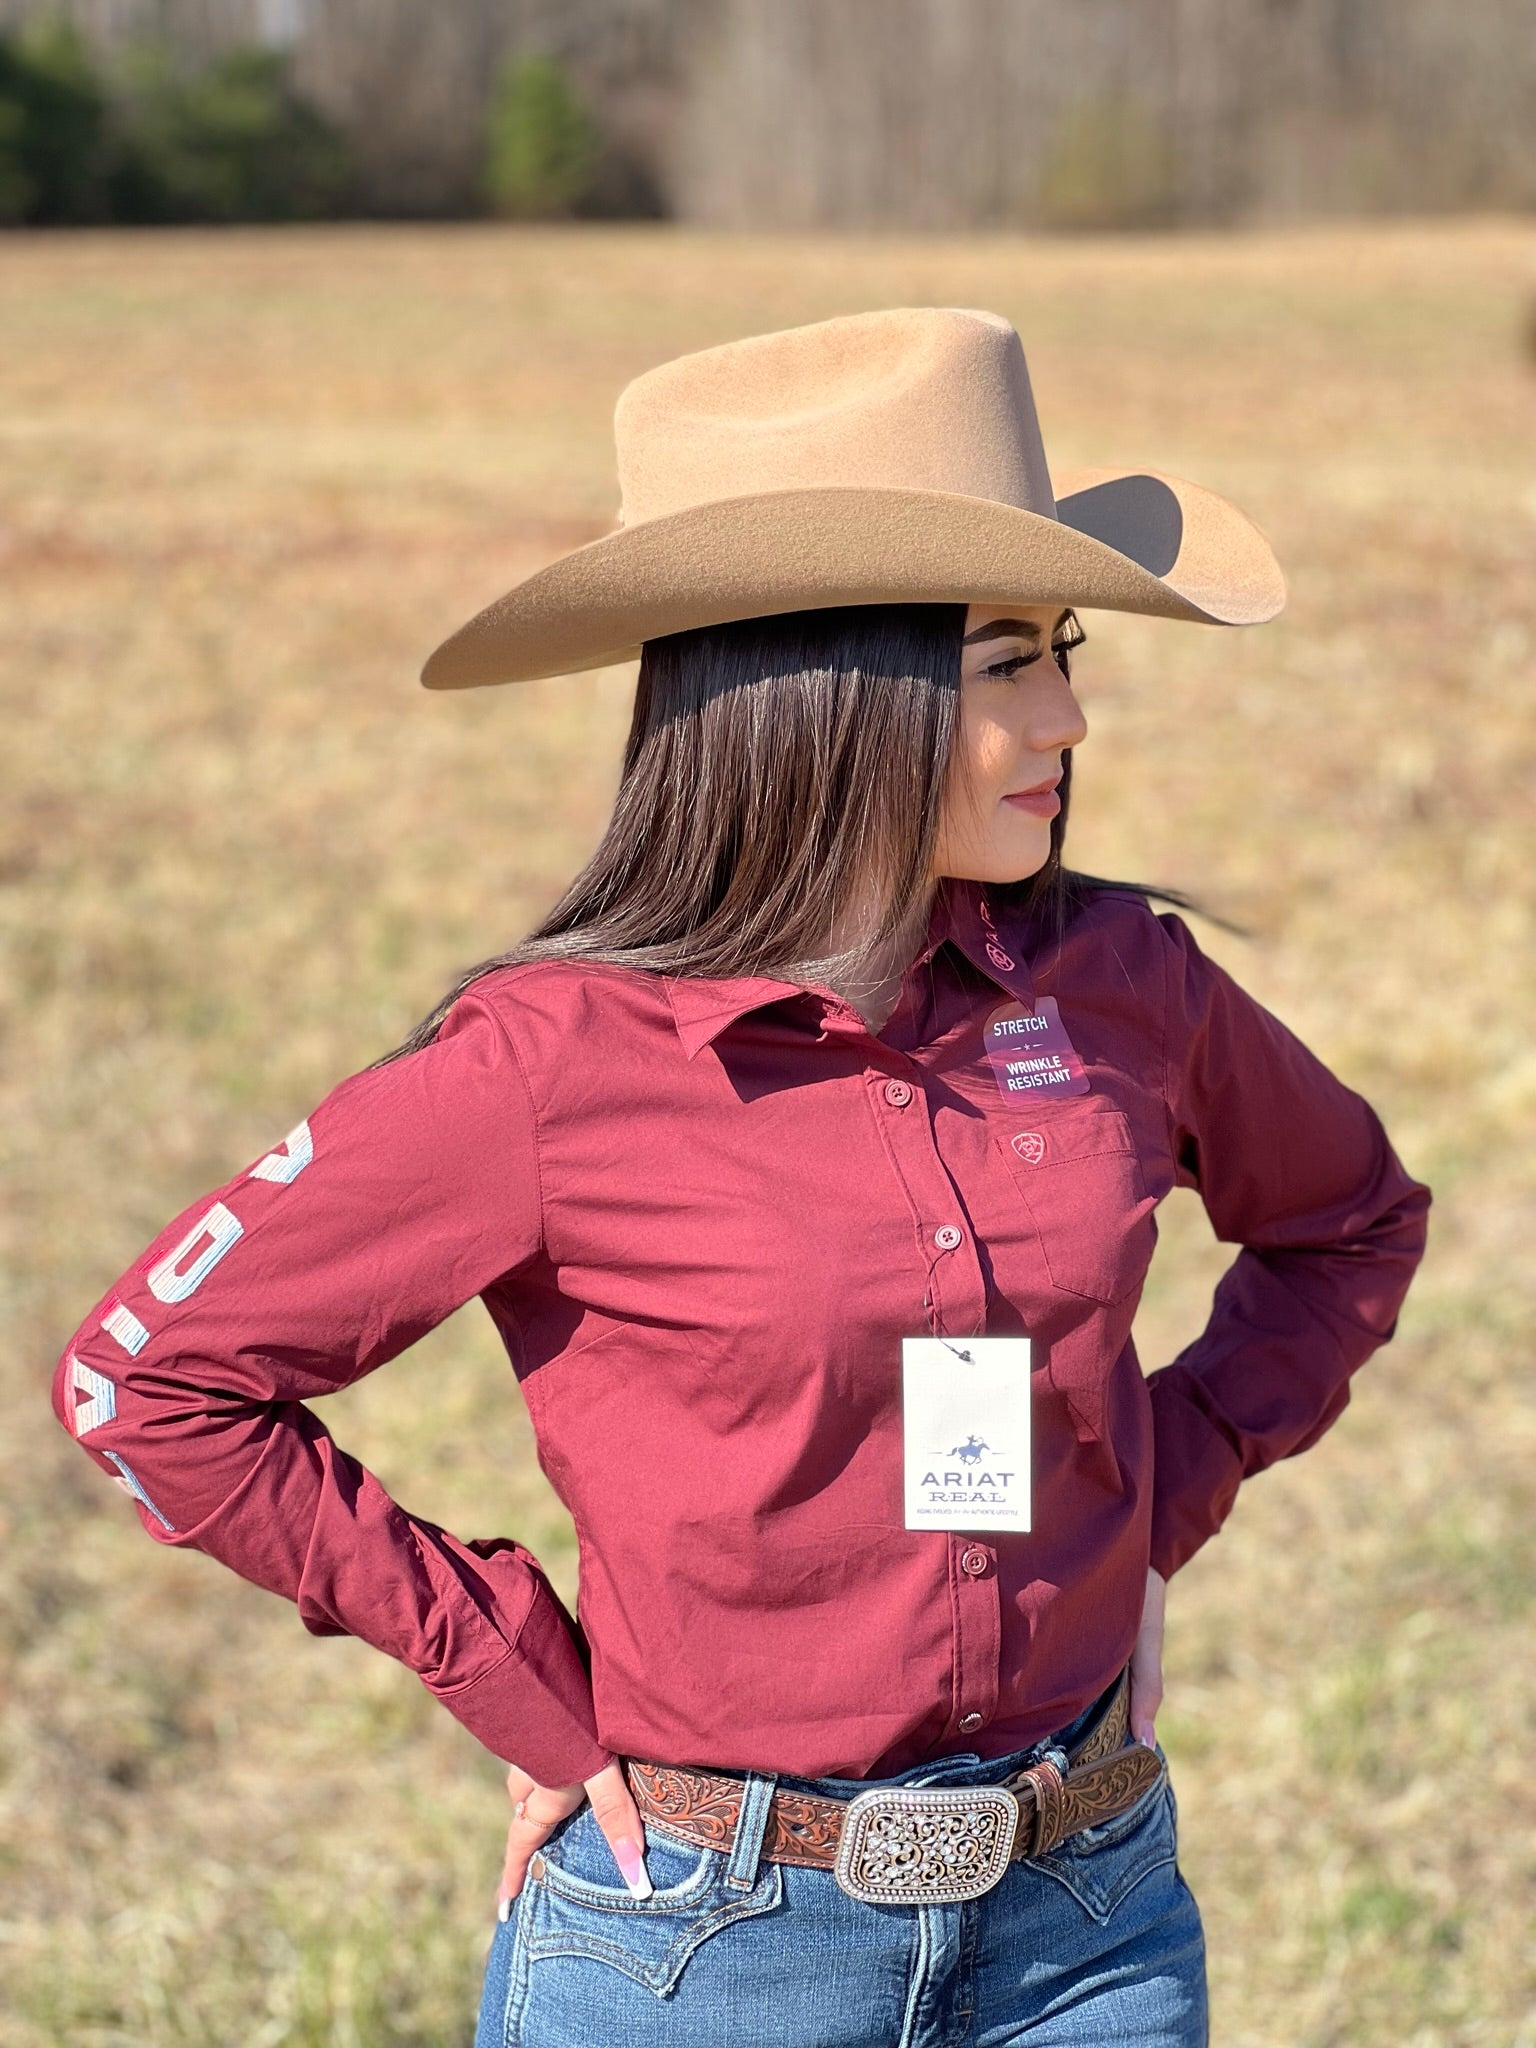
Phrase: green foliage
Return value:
(542, 145)
(156, 140)
(54, 127)
(230, 142)
(1109, 164)
(148, 136)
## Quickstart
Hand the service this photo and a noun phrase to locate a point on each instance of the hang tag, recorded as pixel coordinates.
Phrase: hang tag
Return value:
(965, 1432)
(1031, 1053)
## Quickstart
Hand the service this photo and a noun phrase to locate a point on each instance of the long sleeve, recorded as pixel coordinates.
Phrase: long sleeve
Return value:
(405, 1193)
(1294, 1167)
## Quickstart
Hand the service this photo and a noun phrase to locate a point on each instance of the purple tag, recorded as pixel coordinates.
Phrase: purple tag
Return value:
(1031, 1053)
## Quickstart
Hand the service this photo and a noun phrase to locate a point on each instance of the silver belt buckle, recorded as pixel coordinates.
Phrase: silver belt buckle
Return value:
(926, 1846)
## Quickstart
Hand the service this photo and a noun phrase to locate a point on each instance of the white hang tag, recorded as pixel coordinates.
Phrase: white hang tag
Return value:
(965, 1432)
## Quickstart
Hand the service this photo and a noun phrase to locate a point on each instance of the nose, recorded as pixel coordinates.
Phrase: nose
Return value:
(1055, 720)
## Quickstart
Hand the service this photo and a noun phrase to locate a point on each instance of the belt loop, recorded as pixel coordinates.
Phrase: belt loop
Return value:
(1045, 1780)
(751, 1825)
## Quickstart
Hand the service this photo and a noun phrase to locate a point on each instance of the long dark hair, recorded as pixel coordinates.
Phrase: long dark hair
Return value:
(774, 767)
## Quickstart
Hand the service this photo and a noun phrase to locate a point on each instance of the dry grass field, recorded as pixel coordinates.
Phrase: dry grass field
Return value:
(249, 480)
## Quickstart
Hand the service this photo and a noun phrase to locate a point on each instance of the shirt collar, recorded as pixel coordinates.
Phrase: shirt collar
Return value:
(704, 1006)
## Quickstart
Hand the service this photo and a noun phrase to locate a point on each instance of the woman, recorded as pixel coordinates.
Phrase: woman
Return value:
(805, 1158)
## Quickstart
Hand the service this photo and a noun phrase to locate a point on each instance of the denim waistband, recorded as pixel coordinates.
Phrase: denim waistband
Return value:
(964, 1766)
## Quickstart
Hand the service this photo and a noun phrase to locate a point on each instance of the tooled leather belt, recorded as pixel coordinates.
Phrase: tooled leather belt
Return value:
(917, 1845)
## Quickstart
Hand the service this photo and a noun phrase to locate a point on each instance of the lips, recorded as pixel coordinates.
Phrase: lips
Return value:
(1042, 801)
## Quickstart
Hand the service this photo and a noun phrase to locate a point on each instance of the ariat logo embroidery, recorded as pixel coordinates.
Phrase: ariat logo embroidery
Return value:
(178, 1275)
(173, 1279)
(286, 1165)
(121, 1322)
(1030, 1146)
(128, 1480)
(99, 1397)
(995, 950)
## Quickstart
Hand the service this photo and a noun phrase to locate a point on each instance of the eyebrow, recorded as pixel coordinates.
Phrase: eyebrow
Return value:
(1021, 629)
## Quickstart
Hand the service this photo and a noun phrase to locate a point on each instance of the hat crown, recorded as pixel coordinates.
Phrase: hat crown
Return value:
(918, 398)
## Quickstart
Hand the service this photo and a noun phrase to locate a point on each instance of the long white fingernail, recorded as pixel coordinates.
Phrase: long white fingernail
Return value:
(504, 1911)
(632, 1867)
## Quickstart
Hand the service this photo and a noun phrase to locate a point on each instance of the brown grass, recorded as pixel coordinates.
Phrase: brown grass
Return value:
(252, 479)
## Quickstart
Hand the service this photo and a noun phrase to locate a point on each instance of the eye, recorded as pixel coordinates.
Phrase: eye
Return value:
(1005, 671)
(1070, 635)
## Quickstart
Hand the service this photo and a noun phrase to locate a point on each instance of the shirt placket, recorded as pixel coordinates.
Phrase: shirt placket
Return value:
(953, 1304)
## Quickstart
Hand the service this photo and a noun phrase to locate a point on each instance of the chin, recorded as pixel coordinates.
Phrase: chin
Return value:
(1016, 863)
(1011, 858)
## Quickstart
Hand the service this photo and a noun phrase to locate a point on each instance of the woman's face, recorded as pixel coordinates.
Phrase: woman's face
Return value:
(1017, 718)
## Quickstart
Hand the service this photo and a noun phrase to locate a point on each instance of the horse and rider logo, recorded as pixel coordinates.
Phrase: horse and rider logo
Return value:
(975, 1473)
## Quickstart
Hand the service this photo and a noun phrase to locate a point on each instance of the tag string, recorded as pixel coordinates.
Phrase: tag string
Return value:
(939, 1336)
(931, 1308)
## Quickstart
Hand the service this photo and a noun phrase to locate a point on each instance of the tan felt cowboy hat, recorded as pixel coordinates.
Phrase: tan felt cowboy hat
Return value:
(879, 458)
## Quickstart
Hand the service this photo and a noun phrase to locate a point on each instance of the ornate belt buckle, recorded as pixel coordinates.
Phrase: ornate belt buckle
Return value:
(926, 1846)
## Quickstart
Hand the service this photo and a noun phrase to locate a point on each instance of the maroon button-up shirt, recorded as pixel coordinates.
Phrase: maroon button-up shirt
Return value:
(703, 1215)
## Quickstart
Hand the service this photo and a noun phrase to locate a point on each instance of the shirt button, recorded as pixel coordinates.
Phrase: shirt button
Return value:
(898, 1094)
(969, 1723)
(947, 1236)
(975, 1562)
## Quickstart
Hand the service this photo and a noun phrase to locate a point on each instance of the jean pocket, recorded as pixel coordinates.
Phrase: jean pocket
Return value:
(1101, 1866)
(579, 1906)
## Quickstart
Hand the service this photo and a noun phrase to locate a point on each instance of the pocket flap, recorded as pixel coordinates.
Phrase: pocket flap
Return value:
(1069, 1132)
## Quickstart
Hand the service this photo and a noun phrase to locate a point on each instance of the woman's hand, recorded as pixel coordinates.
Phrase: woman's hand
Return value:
(1147, 1661)
(536, 1809)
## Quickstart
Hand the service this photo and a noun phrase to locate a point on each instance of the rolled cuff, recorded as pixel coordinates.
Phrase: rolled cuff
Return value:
(1195, 1476)
(534, 1707)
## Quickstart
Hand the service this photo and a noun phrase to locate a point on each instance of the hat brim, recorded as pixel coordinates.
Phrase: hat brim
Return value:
(1124, 540)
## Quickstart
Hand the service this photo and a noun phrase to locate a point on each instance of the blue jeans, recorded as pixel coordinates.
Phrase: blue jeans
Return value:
(1098, 1942)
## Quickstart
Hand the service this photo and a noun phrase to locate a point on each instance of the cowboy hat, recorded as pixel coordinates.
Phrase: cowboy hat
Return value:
(889, 457)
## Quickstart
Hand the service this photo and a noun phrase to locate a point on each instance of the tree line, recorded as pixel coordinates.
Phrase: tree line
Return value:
(147, 133)
(788, 113)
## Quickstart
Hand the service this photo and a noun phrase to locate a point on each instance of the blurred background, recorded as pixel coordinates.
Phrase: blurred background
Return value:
(951, 114)
(253, 473)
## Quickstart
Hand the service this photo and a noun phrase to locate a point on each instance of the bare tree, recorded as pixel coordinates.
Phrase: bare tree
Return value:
(928, 113)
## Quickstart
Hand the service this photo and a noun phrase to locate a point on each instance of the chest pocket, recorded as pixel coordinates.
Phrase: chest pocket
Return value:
(1080, 1178)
